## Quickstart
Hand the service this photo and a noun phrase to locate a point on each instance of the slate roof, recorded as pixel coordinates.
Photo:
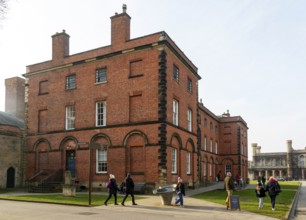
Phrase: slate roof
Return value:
(11, 120)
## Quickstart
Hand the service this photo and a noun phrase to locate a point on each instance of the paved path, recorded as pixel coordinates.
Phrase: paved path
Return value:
(149, 208)
(300, 212)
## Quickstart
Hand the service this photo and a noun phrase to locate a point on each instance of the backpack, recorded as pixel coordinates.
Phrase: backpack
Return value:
(275, 188)
(109, 184)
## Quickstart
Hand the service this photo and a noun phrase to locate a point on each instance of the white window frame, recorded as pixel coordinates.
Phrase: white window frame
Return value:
(173, 160)
(204, 169)
(175, 112)
(228, 168)
(101, 161)
(216, 146)
(242, 149)
(176, 73)
(205, 143)
(70, 117)
(100, 113)
(211, 145)
(188, 162)
(101, 75)
(210, 169)
(189, 119)
(189, 85)
(70, 82)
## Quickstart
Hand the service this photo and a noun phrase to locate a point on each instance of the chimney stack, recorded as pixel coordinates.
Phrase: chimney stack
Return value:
(120, 28)
(60, 46)
(14, 96)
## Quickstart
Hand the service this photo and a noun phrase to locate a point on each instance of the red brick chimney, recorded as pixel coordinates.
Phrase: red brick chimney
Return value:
(120, 28)
(60, 45)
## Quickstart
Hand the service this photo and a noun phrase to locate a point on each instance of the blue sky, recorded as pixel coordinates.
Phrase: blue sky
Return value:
(251, 54)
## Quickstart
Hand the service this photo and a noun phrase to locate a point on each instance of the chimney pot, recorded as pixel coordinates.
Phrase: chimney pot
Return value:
(124, 8)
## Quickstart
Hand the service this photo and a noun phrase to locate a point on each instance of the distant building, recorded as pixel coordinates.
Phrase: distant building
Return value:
(12, 135)
(289, 165)
(131, 106)
(223, 144)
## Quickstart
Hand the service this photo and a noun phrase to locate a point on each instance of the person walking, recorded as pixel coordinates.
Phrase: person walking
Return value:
(260, 193)
(112, 189)
(219, 176)
(180, 192)
(258, 179)
(273, 189)
(129, 184)
(229, 186)
(263, 180)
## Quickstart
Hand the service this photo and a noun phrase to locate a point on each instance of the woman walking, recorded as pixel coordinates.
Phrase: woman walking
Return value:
(112, 189)
(273, 189)
(180, 191)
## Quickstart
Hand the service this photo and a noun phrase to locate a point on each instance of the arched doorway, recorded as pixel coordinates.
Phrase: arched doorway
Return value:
(10, 178)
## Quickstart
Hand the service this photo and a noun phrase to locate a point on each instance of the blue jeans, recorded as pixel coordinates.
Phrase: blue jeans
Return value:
(273, 198)
(180, 199)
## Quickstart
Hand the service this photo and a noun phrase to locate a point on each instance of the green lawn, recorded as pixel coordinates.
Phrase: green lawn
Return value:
(249, 201)
(79, 199)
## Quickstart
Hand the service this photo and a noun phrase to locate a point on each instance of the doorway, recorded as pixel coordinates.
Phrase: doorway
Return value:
(70, 162)
(10, 178)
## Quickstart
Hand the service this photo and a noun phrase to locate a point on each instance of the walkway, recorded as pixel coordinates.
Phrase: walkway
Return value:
(148, 208)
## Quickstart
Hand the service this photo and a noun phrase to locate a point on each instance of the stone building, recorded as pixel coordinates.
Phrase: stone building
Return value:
(289, 165)
(131, 106)
(11, 135)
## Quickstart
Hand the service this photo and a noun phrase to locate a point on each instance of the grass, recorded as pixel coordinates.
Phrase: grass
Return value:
(249, 201)
(79, 199)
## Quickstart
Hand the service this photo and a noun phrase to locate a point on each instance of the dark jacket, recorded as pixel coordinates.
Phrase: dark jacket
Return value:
(112, 186)
(129, 184)
(260, 192)
(263, 180)
(180, 188)
(229, 183)
(272, 187)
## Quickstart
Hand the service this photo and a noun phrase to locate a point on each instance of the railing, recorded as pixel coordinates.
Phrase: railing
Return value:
(42, 180)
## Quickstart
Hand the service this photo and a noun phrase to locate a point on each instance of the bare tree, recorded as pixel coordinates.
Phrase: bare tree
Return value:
(3, 8)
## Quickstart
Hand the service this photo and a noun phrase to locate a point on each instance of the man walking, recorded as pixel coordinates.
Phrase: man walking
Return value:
(229, 186)
(129, 183)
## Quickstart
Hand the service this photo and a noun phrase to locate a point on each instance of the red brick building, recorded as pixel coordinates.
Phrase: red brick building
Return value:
(223, 144)
(135, 104)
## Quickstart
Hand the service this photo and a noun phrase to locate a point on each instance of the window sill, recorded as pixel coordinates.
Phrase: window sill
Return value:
(69, 89)
(135, 76)
(99, 83)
